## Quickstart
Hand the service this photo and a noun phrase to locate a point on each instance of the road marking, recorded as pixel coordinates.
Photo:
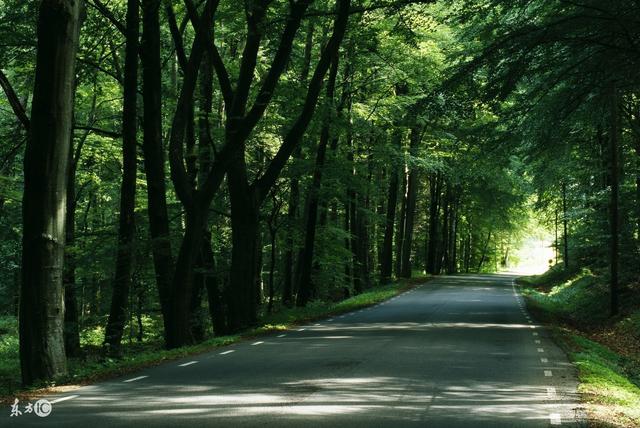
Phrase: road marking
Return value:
(281, 335)
(135, 379)
(257, 343)
(548, 373)
(555, 419)
(544, 360)
(318, 325)
(187, 364)
(301, 329)
(330, 319)
(551, 392)
(540, 350)
(530, 322)
(537, 341)
(227, 352)
(61, 399)
(535, 333)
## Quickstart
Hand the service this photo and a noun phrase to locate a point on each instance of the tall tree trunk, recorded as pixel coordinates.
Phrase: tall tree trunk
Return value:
(392, 201)
(244, 236)
(434, 214)
(71, 327)
(46, 163)
(412, 194)
(401, 222)
(126, 228)
(565, 225)
(294, 192)
(484, 251)
(614, 216)
(306, 259)
(154, 156)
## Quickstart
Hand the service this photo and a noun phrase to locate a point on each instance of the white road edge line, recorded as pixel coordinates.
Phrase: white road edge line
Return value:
(555, 419)
(281, 335)
(548, 373)
(227, 352)
(61, 399)
(135, 379)
(257, 343)
(187, 364)
(540, 349)
(544, 360)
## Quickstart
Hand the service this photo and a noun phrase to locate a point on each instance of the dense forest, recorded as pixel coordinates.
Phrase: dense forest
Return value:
(172, 171)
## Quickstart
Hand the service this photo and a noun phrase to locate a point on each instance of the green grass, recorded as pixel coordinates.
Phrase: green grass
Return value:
(609, 381)
(576, 299)
(94, 366)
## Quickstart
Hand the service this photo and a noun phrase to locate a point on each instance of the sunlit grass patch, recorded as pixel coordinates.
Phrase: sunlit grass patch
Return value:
(608, 381)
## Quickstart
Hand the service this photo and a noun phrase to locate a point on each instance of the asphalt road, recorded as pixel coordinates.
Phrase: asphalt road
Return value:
(457, 351)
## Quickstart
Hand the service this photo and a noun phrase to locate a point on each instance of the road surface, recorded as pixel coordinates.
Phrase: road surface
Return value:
(458, 351)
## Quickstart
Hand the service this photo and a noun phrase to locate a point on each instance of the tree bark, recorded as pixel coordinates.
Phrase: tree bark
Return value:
(614, 215)
(412, 194)
(126, 227)
(154, 156)
(46, 163)
(434, 214)
(392, 202)
(401, 222)
(565, 225)
(306, 259)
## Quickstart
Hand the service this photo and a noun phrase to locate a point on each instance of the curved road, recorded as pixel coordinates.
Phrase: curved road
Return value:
(458, 351)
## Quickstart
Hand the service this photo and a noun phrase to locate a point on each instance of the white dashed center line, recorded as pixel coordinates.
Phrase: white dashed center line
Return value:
(537, 341)
(544, 360)
(281, 335)
(187, 364)
(548, 373)
(540, 350)
(135, 379)
(61, 399)
(301, 329)
(227, 352)
(256, 343)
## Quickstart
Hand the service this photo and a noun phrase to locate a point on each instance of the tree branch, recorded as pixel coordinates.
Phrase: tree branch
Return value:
(14, 102)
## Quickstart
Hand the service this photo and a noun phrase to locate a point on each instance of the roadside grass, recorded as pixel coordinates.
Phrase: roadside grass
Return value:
(94, 366)
(605, 352)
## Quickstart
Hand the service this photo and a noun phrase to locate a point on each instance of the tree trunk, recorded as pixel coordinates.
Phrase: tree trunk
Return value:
(412, 194)
(154, 156)
(126, 228)
(46, 163)
(434, 214)
(71, 327)
(306, 259)
(565, 225)
(401, 222)
(242, 308)
(484, 251)
(294, 190)
(614, 216)
(392, 202)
